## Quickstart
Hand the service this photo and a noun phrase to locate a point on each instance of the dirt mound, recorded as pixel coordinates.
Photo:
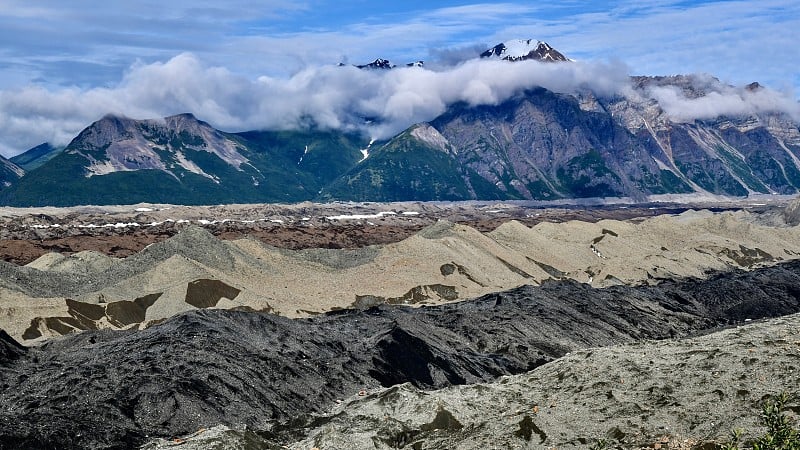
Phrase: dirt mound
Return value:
(265, 372)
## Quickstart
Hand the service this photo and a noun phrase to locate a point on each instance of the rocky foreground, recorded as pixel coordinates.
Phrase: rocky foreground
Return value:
(277, 376)
(672, 394)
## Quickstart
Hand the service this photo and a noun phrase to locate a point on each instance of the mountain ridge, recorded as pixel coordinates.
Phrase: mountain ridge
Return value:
(536, 145)
(36, 156)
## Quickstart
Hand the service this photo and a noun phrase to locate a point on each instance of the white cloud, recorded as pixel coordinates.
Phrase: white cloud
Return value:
(338, 97)
(724, 101)
(326, 96)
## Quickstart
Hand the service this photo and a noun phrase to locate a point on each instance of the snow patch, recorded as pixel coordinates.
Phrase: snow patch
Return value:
(365, 151)
(519, 48)
(111, 225)
(305, 152)
(362, 216)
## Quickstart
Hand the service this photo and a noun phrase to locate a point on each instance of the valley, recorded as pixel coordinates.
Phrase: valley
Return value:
(516, 250)
(467, 323)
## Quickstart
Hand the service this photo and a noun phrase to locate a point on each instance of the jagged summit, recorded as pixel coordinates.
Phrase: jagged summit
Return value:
(379, 63)
(754, 86)
(524, 49)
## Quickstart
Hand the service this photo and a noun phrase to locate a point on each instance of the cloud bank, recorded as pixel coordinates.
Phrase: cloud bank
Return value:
(380, 103)
(376, 102)
(724, 101)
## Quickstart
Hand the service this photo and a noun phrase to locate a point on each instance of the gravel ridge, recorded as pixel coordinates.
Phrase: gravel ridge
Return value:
(118, 389)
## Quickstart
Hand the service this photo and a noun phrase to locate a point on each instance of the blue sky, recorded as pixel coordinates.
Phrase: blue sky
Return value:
(74, 51)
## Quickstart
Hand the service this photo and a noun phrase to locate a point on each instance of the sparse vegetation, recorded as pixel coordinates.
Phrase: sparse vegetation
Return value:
(781, 434)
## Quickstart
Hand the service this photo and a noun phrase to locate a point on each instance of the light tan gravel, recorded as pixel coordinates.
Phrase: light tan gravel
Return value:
(444, 262)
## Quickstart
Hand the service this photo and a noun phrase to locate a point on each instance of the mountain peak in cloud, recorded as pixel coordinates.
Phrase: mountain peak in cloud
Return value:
(379, 63)
(524, 49)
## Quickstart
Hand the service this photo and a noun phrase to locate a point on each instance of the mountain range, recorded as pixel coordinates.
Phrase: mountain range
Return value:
(538, 144)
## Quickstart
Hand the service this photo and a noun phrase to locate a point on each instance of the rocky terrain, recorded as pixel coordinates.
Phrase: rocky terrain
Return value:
(682, 394)
(425, 262)
(231, 327)
(117, 389)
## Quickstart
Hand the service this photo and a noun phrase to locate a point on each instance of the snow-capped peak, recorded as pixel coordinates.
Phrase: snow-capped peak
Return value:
(379, 63)
(523, 49)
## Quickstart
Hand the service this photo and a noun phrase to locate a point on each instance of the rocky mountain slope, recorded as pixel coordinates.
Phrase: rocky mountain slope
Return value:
(544, 145)
(59, 294)
(180, 159)
(104, 389)
(36, 156)
(9, 173)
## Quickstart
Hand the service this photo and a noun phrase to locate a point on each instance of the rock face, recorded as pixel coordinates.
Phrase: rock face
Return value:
(179, 159)
(117, 389)
(543, 145)
(118, 144)
(9, 173)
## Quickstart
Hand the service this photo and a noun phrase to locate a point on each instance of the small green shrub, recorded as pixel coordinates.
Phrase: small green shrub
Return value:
(780, 434)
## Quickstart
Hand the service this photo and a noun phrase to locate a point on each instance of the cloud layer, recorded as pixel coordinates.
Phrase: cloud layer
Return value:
(326, 96)
(377, 102)
(724, 101)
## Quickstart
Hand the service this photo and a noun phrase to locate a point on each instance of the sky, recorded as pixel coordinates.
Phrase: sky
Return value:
(270, 64)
